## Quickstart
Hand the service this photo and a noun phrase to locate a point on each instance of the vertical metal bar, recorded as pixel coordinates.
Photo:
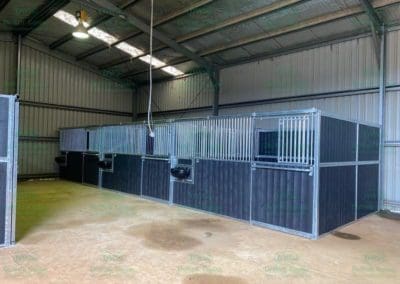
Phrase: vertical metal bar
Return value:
(356, 177)
(308, 141)
(291, 141)
(316, 169)
(18, 87)
(382, 101)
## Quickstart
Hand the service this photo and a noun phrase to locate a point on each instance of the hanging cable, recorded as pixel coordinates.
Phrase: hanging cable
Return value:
(151, 133)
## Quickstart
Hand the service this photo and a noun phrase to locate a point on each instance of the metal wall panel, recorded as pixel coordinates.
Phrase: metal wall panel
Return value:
(221, 187)
(37, 157)
(336, 197)
(338, 140)
(341, 66)
(393, 58)
(8, 70)
(190, 92)
(367, 189)
(391, 191)
(156, 177)
(283, 198)
(126, 175)
(47, 79)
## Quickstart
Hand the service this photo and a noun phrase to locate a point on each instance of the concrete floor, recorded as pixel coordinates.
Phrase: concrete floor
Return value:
(72, 233)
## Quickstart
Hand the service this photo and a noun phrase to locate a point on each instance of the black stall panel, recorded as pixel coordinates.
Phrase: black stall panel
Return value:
(221, 187)
(338, 140)
(368, 143)
(126, 174)
(156, 178)
(367, 193)
(283, 198)
(3, 200)
(91, 169)
(336, 197)
(72, 171)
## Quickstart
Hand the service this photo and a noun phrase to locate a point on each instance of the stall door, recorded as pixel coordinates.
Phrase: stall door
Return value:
(156, 178)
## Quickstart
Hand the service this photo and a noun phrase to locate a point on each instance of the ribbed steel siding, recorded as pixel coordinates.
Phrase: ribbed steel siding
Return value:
(4, 121)
(155, 181)
(393, 58)
(48, 79)
(341, 66)
(336, 197)
(356, 107)
(91, 169)
(3, 192)
(219, 186)
(338, 140)
(367, 190)
(391, 194)
(8, 70)
(283, 198)
(126, 176)
(37, 157)
(190, 92)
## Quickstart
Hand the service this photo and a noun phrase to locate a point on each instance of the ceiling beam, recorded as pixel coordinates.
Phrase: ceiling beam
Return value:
(161, 21)
(376, 26)
(99, 20)
(144, 27)
(316, 21)
(39, 16)
(225, 24)
(313, 22)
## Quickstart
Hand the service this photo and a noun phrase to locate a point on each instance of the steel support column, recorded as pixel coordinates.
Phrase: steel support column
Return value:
(382, 95)
(215, 79)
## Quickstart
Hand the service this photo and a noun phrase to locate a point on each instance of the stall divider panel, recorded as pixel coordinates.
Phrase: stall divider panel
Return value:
(9, 111)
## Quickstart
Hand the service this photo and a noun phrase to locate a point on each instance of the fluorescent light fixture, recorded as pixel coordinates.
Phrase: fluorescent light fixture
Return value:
(130, 49)
(154, 62)
(71, 20)
(172, 70)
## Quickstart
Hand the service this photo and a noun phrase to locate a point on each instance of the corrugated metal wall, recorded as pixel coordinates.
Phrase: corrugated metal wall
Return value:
(339, 67)
(190, 92)
(56, 93)
(8, 57)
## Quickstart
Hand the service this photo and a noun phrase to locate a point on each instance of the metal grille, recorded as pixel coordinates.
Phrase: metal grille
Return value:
(95, 139)
(296, 139)
(221, 139)
(163, 139)
(73, 139)
(124, 139)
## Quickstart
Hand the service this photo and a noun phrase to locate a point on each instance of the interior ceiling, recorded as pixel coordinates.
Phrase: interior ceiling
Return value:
(224, 32)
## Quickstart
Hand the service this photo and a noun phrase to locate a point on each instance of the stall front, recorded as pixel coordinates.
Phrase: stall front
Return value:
(301, 172)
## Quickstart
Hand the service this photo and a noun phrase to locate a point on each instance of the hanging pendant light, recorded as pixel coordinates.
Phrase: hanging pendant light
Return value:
(80, 30)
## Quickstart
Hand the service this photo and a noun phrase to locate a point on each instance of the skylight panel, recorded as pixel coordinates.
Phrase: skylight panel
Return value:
(102, 35)
(172, 70)
(95, 32)
(154, 62)
(130, 49)
(67, 18)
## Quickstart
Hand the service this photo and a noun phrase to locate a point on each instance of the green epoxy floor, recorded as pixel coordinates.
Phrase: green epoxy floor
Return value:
(70, 233)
